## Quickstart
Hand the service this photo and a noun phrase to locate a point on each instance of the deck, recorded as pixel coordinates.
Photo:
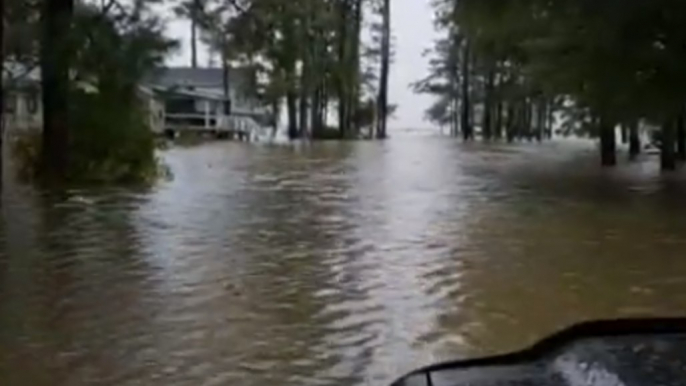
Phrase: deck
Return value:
(240, 126)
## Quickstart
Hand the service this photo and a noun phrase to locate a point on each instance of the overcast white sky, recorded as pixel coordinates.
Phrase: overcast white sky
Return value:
(413, 31)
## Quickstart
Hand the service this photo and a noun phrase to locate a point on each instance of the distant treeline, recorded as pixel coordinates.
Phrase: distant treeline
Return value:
(592, 65)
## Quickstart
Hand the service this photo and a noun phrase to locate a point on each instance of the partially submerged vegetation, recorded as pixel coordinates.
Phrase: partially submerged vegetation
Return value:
(597, 64)
(502, 70)
(95, 118)
(106, 146)
(308, 55)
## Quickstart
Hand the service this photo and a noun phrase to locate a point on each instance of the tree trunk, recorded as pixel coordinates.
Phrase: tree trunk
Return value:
(304, 116)
(382, 114)
(550, 119)
(226, 85)
(342, 114)
(510, 124)
(2, 93)
(291, 101)
(487, 123)
(667, 158)
(634, 140)
(324, 111)
(292, 112)
(316, 83)
(541, 117)
(455, 118)
(342, 70)
(315, 112)
(55, 64)
(530, 109)
(304, 92)
(194, 41)
(521, 121)
(354, 104)
(465, 120)
(681, 137)
(624, 134)
(276, 110)
(288, 65)
(608, 146)
(498, 120)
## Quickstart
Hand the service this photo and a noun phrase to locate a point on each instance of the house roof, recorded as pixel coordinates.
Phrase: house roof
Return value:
(199, 77)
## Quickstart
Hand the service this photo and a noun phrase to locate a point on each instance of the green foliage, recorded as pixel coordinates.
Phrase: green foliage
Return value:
(110, 141)
(620, 58)
(113, 47)
(108, 144)
(26, 151)
(307, 51)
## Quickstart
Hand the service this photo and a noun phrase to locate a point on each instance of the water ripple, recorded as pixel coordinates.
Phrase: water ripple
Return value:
(328, 264)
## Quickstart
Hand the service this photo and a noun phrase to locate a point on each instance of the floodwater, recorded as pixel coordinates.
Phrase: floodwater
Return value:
(330, 263)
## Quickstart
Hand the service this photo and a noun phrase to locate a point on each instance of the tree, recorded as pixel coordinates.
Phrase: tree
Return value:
(619, 60)
(471, 71)
(56, 54)
(308, 54)
(92, 60)
(2, 91)
(381, 131)
(193, 10)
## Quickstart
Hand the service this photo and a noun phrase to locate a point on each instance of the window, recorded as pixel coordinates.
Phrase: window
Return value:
(180, 106)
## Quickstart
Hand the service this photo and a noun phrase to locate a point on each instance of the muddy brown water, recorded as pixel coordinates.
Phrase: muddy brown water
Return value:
(330, 263)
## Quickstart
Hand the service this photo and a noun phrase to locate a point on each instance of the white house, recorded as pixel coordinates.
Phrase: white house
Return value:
(22, 99)
(177, 98)
(23, 107)
(194, 99)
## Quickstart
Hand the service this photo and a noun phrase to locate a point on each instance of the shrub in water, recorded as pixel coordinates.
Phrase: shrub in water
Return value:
(110, 142)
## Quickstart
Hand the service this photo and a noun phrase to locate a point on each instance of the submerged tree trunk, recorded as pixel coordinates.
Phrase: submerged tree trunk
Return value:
(465, 120)
(541, 117)
(342, 71)
(487, 123)
(2, 93)
(305, 78)
(292, 112)
(316, 84)
(608, 146)
(634, 140)
(455, 118)
(324, 110)
(510, 122)
(55, 63)
(681, 137)
(624, 134)
(382, 111)
(276, 111)
(498, 132)
(528, 118)
(315, 106)
(667, 158)
(303, 115)
(550, 119)
(354, 104)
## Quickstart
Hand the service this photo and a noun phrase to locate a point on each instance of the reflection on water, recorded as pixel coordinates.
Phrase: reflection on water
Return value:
(330, 263)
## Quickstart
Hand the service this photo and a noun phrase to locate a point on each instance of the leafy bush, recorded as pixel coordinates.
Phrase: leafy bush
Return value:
(109, 143)
(26, 150)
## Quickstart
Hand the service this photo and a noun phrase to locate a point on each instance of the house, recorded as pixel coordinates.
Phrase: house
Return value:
(23, 108)
(22, 99)
(176, 98)
(194, 99)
